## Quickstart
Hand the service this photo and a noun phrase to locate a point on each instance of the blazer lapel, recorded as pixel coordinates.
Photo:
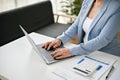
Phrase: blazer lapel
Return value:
(86, 9)
(100, 13)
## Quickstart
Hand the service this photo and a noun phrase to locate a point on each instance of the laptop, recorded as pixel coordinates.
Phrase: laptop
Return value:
(43, 53)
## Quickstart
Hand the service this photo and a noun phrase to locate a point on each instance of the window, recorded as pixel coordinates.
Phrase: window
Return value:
(12, 4)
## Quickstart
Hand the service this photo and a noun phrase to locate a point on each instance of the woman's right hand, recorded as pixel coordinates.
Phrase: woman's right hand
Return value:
(52, 44)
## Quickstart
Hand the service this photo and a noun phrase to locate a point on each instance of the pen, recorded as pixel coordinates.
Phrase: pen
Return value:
(80, 61)
(99, 67)
(109, 72)
(95, 69)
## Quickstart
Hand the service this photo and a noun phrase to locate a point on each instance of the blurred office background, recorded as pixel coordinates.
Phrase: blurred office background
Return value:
(6, 5)
(65, 11)
(11, 4)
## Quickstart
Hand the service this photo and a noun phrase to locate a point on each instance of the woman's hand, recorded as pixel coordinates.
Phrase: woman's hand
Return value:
(61, 53)
(52, 44)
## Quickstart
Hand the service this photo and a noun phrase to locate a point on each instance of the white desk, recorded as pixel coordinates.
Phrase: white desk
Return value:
(18, 61)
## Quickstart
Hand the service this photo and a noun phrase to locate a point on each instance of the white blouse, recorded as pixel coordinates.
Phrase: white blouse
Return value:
(86, 27)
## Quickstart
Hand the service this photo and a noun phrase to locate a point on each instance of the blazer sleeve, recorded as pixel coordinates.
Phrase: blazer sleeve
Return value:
(70, 32)
(105, 37)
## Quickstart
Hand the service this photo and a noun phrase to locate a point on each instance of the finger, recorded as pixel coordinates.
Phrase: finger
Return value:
(46, 45)
(43, 45)
(57, 54)
(59, 57)
(54, 53)
(55, 46)
(50, 45)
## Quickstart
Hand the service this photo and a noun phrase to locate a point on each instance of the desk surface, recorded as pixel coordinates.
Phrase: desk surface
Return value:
(18, 61)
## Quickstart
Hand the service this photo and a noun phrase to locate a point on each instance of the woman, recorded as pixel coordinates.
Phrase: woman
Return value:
(96, 26)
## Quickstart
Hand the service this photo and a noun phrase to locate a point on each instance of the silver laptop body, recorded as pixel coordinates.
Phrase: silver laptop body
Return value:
(44, 54)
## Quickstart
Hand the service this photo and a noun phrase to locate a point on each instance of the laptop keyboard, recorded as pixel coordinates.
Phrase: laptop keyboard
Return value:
(46, 53)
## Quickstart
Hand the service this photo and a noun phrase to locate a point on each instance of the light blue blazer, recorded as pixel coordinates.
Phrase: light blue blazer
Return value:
(102, 32)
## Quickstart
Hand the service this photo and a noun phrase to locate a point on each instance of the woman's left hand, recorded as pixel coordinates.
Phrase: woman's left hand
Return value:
(61, 53)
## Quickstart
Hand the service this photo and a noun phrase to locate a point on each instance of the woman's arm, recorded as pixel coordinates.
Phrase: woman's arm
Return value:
(70, 32)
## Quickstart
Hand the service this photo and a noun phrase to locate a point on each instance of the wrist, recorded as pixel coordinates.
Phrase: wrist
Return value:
(60, 41)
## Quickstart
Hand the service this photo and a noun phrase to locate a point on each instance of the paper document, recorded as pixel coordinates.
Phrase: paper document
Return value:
(98, 66)
(64, 74)
(93, 68)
